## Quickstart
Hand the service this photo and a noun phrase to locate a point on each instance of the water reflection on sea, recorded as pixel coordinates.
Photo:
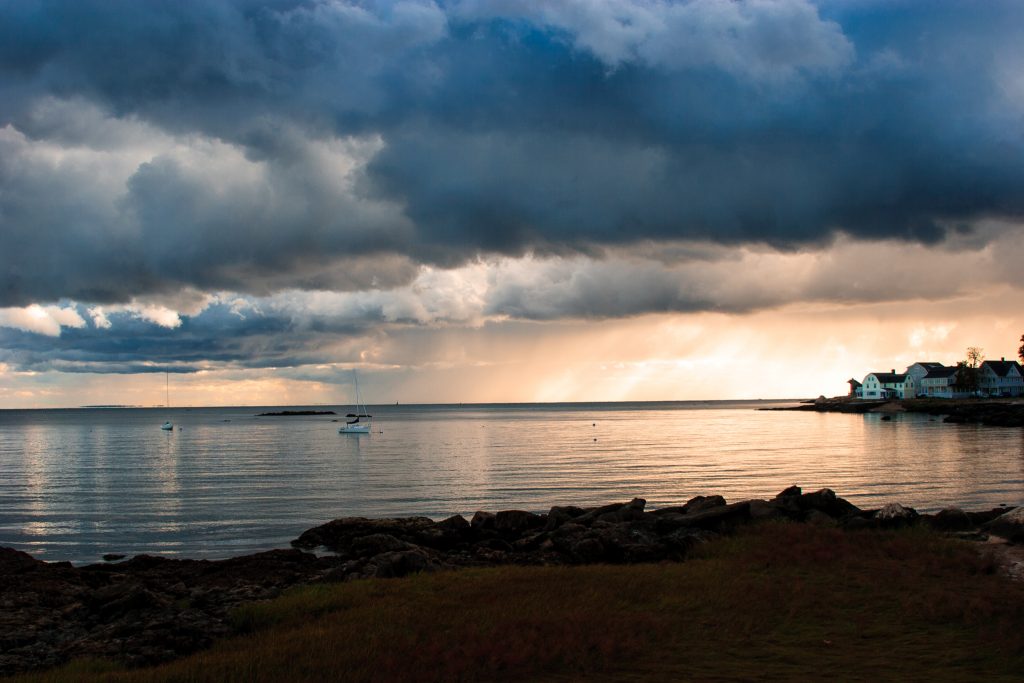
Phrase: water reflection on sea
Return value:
(80, 483)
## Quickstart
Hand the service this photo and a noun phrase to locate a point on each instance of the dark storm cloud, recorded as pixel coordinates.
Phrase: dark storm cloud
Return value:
(482, 127)
(217, 335)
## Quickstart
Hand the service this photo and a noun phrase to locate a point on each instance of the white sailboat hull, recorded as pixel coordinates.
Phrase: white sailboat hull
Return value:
(355, 429)
(167, 426)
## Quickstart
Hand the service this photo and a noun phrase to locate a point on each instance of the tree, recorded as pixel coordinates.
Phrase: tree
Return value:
(967, 373)
(1020, 351)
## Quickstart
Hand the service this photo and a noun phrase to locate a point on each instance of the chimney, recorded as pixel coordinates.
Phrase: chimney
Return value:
(1003, 359)
(893, 371)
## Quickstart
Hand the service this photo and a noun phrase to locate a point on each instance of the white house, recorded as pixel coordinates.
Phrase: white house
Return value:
(938, 383)
(1001, 378)
(884, 385)
(915, 373)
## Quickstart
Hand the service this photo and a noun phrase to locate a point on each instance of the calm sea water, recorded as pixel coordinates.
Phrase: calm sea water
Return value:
(75, 484)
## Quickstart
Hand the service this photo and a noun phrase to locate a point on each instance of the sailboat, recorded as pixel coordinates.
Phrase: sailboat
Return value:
(358, 422)
(167, 426)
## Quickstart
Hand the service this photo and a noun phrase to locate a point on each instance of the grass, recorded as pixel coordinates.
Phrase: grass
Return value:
(776, 602)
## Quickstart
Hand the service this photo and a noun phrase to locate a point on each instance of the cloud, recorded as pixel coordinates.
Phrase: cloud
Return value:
(757, 40)
(301, 328)
(45, 320)
(99, 317)
(847, 272)
(262, 147)
(105, 225)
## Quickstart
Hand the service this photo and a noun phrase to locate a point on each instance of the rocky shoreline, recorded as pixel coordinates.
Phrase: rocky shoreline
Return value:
(147, 609)
(990, 412)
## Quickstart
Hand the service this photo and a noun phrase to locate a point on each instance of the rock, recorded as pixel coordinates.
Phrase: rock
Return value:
(338, 534)
(529, 543)
(118, 599)
(827, 502)
(342, 572)
(632, 510)
(819, 518)
(454, 523)
(700, 503)
(795, 504)
(763, 509)
(670, 521)
(587, 550)
(113, 592)
(395, 564)
(895, 515)
(145, 610)
(516, 521)
(560, 514)
(949, 519)
(14, 562)
(482, 520)
(628, 541)
(375, 544)
(984, 517)
(495, 543)
(1009, 525)
(113, 557)
(713, 519)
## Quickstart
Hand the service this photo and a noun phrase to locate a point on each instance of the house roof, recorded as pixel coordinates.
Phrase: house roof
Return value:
(940, 372)
(854, 382)
(890, 377)
(929, 365)
(1001, 367)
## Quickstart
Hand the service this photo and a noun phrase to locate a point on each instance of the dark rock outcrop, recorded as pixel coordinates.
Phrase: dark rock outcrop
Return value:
(516, 522)
(143, 611)
(949, 519)
(1009, 525)
(338, 535)
(795, 504)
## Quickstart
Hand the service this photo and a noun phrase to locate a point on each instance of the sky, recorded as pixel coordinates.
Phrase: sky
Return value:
(503, 200)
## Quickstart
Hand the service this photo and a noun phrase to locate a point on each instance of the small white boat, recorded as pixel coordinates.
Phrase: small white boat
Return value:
(358, 421)
(167, 426)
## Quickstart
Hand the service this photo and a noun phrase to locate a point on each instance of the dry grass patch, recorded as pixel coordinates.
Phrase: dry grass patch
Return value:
(778, 602)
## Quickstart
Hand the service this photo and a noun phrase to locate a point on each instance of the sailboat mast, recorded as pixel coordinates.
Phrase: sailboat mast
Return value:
(167, 389)
(359, 409)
